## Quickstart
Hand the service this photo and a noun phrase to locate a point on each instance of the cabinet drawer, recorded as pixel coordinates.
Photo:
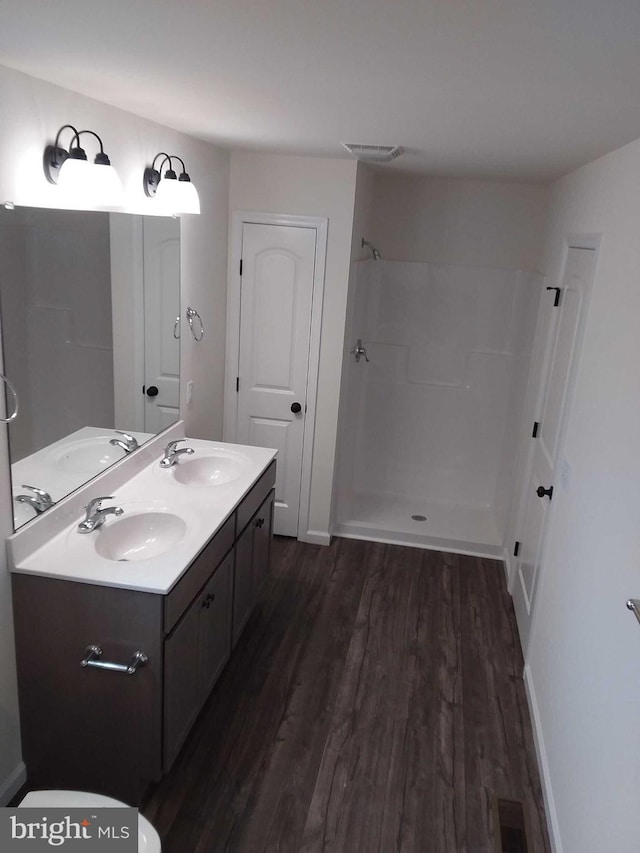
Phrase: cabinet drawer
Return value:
(254, 499)
(183, 593)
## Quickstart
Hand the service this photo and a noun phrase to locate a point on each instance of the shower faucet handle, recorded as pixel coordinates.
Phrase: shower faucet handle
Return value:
(358, 350)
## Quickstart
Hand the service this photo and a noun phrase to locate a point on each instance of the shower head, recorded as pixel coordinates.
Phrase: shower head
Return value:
(376, 254)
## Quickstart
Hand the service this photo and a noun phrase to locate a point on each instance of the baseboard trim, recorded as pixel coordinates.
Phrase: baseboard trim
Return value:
(508, 567)
(12, 784)
(316, 537)
(543, 764)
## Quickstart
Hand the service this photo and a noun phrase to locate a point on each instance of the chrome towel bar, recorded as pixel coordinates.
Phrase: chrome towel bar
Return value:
(94, 653)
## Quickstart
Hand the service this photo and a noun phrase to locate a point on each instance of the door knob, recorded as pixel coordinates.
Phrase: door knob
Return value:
(152, 391)
(296, 408)
(541, 492)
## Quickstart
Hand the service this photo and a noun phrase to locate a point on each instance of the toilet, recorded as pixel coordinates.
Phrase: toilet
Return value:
(148, 838)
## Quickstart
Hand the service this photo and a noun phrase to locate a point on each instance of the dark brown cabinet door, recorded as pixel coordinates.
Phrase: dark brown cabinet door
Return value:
(242, 582)
(83, 727)
(262, 534)
(195, 653)
(215, 626)
(181, 682)
(253, 552)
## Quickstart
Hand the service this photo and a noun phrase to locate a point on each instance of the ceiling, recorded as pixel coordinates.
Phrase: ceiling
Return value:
(495, 89)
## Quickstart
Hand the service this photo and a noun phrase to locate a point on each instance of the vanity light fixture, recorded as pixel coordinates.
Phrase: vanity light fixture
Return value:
(94, 185)
(175, 195)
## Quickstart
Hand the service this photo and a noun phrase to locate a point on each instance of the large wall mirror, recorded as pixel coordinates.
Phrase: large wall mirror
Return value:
(90, 306)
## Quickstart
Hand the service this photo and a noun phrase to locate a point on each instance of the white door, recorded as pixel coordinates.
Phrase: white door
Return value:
(161, 308)
(278, 264)
(558, 336)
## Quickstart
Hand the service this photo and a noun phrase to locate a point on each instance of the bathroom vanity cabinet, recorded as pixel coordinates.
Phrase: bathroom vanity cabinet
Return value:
(91, 728)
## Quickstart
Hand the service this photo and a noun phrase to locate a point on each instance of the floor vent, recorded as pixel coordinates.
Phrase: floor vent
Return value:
(511, 830)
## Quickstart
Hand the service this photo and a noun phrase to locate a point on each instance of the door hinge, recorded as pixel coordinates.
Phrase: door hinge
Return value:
(556, 301)
(536, 427)
(516, 549)
(237, 384)
(240, 266)
(144, 389)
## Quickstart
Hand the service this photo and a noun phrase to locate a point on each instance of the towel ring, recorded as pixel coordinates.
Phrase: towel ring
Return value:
(14, 414)
(176, 328)
(192, 314)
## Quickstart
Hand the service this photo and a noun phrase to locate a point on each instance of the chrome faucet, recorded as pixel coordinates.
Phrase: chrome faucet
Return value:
(39, 500)
(96, 515)
(171, 454)
(127, 442)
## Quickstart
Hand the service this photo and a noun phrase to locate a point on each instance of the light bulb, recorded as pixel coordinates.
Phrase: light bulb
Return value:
(90, 185)
(175, 197)
(107, 189)
(74, 181)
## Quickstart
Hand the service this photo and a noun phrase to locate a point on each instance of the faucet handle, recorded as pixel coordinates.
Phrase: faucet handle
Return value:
(45, 496)
(171, 445)
(128, 437)
(95, 504)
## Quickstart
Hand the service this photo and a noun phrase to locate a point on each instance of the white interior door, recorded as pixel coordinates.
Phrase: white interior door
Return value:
(278, 264)
(558, 342)
(161, 308)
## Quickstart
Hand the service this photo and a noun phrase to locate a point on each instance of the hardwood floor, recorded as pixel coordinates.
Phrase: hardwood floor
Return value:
(373, 703)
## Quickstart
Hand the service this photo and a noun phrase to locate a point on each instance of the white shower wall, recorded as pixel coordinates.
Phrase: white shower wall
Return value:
(430, 421)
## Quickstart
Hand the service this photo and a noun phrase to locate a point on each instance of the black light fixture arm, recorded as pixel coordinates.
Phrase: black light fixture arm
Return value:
(54, 155)
(166, 157)
(153, 175)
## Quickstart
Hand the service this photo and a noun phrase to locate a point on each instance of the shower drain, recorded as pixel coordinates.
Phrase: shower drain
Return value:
(419, 517)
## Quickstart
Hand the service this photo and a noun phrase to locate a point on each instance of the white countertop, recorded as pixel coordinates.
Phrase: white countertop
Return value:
(69, 555)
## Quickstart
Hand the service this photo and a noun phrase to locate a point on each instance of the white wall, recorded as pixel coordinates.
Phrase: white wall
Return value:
(447, 221)
(302, 186)
(584, 654)
(349, 390)
(32, 111)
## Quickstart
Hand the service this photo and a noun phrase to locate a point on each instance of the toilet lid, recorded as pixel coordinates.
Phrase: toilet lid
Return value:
(148, 838)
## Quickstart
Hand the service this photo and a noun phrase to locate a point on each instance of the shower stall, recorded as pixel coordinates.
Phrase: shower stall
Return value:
(435, 368)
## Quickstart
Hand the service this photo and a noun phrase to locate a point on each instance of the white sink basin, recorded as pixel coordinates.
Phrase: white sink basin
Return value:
(214, 469)
(87, 455)
(140, 536)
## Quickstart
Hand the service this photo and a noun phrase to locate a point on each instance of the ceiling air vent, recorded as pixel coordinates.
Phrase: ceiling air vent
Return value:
(374, 153)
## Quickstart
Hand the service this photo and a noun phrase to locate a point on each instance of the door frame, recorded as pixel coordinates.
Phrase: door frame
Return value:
(593, 242)
(234, 284)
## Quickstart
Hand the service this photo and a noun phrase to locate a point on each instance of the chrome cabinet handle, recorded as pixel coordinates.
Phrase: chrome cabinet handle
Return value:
(13, 414)
(94, 653)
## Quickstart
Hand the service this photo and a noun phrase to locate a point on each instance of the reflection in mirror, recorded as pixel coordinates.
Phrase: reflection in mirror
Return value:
(89, 303)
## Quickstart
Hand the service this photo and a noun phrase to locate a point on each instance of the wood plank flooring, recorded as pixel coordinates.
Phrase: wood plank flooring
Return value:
(373, 704)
